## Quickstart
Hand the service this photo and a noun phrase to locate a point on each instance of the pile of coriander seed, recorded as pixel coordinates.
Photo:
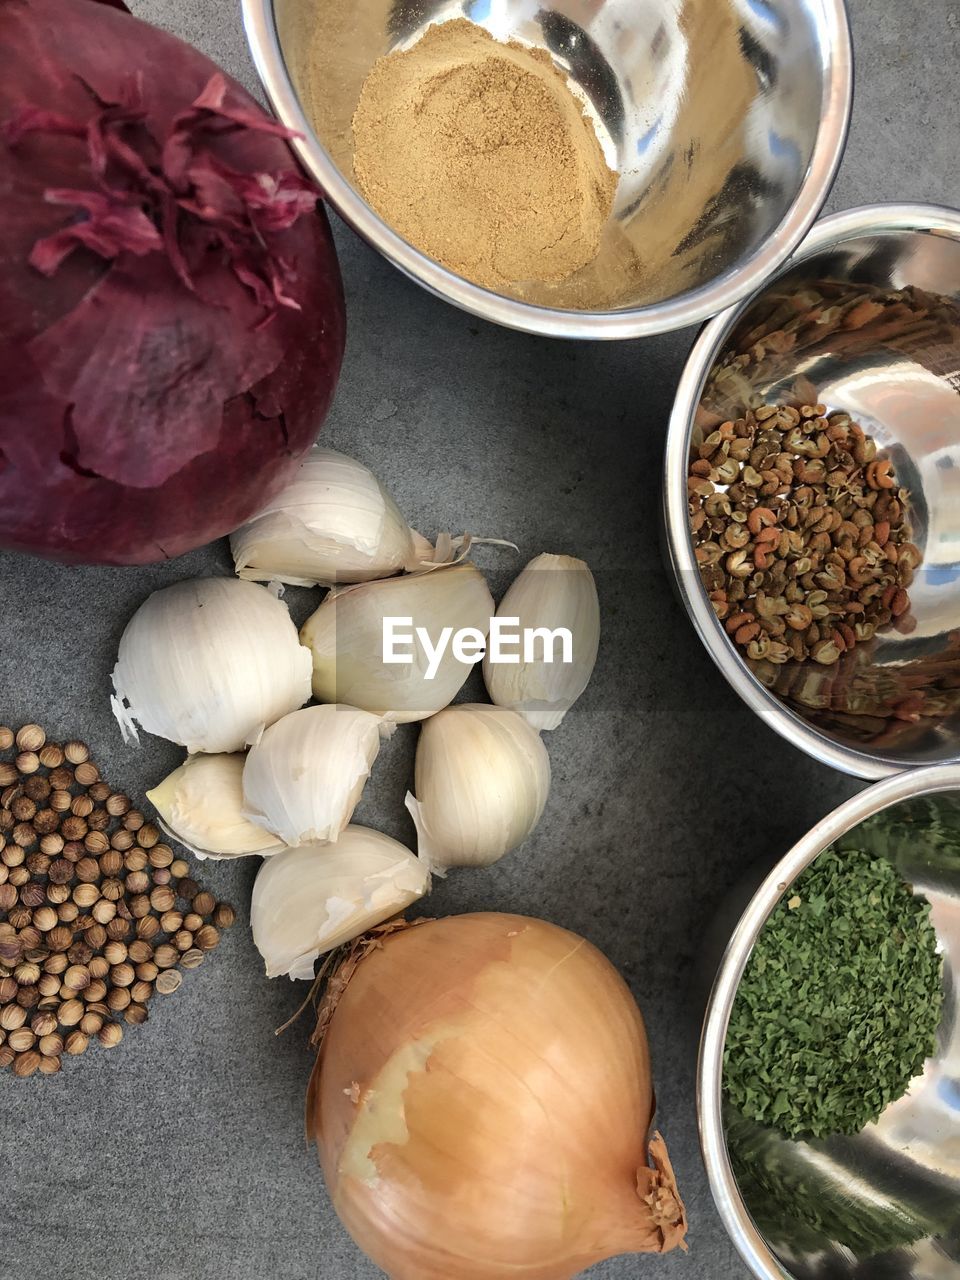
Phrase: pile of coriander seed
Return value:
(96, 913)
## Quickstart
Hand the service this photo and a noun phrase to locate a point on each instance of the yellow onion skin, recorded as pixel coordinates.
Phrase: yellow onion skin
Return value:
(482, 1102)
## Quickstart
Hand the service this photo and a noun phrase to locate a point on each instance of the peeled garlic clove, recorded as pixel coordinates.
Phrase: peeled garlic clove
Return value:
(303, 779)
(310, 900)
(208, 663)
(482, 780)
(334, 522)
(201, 805)
(347, 638)
(552, 594)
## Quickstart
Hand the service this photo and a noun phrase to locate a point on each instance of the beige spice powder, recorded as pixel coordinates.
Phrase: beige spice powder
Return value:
(478, 153)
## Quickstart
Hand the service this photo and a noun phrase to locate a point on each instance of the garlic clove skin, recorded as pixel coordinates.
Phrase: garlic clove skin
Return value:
(482, 781)
(310, 900)
(346, 637)
(551, 592)
(334, 523)
(303, 779)
(207, 663)
(201, 805)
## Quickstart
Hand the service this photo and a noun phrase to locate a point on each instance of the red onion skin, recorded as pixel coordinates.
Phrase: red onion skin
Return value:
(82, 490)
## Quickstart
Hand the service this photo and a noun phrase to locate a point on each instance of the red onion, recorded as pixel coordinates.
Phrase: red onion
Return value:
(171, 311)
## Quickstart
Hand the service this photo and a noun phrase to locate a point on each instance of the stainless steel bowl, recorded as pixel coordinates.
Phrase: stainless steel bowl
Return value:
(899, 375)
(884, 1205)
(725, 118)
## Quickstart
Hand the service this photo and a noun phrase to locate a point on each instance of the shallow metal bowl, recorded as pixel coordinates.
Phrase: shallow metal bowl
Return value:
(726, 120)
(884, 1205)
(893, 703)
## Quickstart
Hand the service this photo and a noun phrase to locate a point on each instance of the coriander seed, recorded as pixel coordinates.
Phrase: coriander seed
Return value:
(103, 911)
(96, 992)
(21, 1040)
(77, 752)
(27, 762)
(134, 820)
(45, 919)
(123, 975)
(147, 971)
(95, 935)
(192, 959)
(136, 1015)
(99, 791)
(81, 806)
(207, 937)
(171, 921)
(110, 1035)
(118, 999)
(86, 773)
(6, 1056)
(91, 1023)
(6, 738)
(169, 981)
(117, 805)
(76, 1043)
(148, 927)
(179, 868)
(30, 738)
(142, 990)
(147, 837)
(49, 1066)
(51, 757)
(118, 928)
(70, 1013)
(139, 951)
(25, 1064)
(51, 1045)
(166, 956)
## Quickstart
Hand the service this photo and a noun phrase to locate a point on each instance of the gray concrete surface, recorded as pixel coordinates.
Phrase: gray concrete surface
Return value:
(180, 1155)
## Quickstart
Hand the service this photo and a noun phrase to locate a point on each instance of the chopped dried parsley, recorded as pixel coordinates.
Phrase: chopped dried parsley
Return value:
(841, 1001)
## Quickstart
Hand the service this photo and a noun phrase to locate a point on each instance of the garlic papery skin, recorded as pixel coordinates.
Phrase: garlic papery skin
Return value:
(303, 779)
(333, 523)
(347, 638)
(207, 663)
(201, 805)
(552, 594)
(313, 899)
(482, 780)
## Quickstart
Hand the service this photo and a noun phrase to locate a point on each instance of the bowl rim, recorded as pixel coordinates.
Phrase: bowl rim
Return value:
(872, 800)
(862, 220)
(686, 309)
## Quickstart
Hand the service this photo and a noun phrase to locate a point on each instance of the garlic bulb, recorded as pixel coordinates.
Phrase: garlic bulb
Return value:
(303, 779)
(334, 522)
(553, 594)
(310, 900)
(351, 631)
(482, 780)
(208, 663)
(201, 805)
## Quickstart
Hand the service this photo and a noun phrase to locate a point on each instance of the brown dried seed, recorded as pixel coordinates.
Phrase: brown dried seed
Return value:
(192, 959)
(142, 990)
(121, 840)
(166, 956)
(162, 899)
(91, 1023)
(148, 927)
(96, 992)
(76, 1043)
(180, 868)
(103, 911)
(118, 999)
(86, 774)
(51, 1045)
(118, 928)
(110, 1035)
(70, 1013)
(193, 922)
(96, 842)
(169, 981)
(6, 738)
(50, 1066)
(25, 1064)
(6, 1056)
(147, 971)
(81, 806)
(134, 820)
(136, 1015)
(96, 936)
(208, 937)
(76, 752)
(30, 738)
(204, 903)
(117, 805)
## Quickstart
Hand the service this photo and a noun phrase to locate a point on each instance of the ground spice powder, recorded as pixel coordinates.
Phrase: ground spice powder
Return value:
(478, 153)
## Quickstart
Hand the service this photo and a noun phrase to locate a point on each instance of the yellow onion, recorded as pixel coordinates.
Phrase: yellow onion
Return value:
(482, 1104)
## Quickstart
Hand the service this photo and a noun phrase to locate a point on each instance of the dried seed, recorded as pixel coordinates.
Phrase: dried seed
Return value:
(207, 938)
(169, 981)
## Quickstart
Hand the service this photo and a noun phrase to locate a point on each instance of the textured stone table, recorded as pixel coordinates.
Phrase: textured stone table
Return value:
(180, 1155)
